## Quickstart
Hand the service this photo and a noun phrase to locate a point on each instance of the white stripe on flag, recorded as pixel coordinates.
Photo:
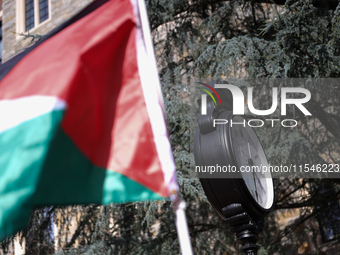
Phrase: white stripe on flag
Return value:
(16, 111)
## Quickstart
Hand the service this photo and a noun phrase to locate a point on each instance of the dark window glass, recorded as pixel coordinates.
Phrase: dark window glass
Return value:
(43, 10)
(329, 219)
(329, 222)
(29, 14)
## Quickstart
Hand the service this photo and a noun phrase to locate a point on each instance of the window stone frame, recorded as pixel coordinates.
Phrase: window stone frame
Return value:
(20, 17)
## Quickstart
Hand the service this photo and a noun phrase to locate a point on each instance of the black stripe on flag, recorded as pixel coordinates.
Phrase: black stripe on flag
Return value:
(6, 67)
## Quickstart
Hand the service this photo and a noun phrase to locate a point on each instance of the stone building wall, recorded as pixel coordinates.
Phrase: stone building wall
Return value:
(60, 11)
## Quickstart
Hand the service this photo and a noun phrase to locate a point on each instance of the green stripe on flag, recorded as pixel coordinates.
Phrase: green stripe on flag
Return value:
(70, 178)
(22, 153)
(38, 170)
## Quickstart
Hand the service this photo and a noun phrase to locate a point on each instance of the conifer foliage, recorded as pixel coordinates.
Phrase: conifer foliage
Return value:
(234, 40)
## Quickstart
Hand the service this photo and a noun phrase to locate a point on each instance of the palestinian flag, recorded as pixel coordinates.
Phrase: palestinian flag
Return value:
(81, 118)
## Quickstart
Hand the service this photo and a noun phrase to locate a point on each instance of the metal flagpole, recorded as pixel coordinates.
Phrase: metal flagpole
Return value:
(178, 204)
(182, 227)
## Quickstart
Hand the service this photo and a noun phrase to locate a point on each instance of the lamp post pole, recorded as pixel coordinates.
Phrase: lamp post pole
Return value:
(245, 228)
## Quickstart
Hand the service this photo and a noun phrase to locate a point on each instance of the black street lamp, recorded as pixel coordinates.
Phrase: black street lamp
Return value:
(238, 189)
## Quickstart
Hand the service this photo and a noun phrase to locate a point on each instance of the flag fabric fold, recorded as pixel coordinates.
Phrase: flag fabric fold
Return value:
(82, 119)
